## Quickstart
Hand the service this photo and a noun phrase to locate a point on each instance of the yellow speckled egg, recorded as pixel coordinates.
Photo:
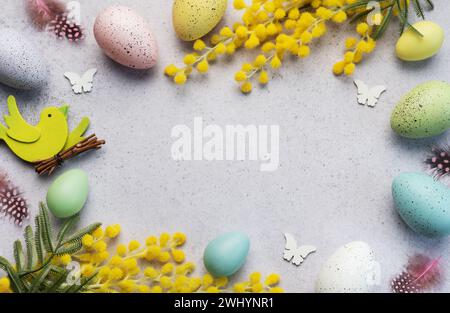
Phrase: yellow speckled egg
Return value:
(413, 47)
(193, 19)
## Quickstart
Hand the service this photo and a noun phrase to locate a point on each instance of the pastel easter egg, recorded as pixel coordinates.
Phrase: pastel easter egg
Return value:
(126, 37)
(423, 203)
(226, 254)
(193, 19)
(68, 193)
(411, 46)
(424, 111)
(352, 268)
(22, 65)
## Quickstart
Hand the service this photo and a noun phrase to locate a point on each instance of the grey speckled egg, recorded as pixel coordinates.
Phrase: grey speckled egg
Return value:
(352, 268)
(125, 37)
(424, 111)
(21, 64)
(193, 19)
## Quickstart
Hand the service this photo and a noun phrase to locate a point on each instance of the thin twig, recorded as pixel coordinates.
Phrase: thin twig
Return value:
(48, 166)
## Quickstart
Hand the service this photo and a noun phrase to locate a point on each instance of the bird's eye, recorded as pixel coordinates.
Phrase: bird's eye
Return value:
(49, 115)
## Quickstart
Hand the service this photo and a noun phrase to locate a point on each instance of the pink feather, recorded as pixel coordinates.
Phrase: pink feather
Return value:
(12, 204)
(420, 274)
(43, 12)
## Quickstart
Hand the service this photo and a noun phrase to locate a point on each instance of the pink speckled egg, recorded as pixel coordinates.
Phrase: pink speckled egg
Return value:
(125, 37)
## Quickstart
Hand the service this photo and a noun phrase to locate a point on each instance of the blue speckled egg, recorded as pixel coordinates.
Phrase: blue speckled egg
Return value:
(226, 254)
(423, 203)
(21, 64)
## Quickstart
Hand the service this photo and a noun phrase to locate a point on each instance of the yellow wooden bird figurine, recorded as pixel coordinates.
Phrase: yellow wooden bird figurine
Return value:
(43, 141)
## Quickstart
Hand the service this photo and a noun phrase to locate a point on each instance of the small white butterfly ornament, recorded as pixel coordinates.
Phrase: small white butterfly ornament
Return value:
(82, 83)
(295, 254)
(368, 95)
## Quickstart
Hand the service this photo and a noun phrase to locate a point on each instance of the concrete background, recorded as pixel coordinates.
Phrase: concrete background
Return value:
(337, 158)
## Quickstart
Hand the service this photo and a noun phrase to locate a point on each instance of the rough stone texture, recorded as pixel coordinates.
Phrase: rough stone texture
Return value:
(337, 158)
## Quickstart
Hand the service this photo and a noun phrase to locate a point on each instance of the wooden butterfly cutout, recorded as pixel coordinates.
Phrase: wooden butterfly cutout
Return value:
(83, 83)
(295, 254)
(368, 95)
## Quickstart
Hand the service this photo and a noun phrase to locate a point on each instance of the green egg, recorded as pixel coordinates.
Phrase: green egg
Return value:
(424, 111)
(68, 193)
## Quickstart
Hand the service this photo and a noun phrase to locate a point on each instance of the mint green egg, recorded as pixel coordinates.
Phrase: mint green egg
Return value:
(424, 111)
(226, 254)
(423, 203)
(68, 193)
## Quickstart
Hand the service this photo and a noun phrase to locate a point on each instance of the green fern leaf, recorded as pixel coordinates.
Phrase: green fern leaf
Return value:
(19, 257)
(69, 248)
(359, 4)
(360, 15)
(39, 280)
(418, 9)
(65, 228)
(430, 4)
(85, 281)
(46, 229)
(38, 241)
(16, 284)
(58, 282)
(4, 264)
(384, 24)
(79, 234)
(29, 241)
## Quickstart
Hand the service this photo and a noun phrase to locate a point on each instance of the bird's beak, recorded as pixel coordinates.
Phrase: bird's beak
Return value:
(64, 110)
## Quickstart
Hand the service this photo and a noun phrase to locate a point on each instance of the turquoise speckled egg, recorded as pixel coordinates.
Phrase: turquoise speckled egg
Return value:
(226, 254)
(423, 203)
(424, 111)
(68, 193)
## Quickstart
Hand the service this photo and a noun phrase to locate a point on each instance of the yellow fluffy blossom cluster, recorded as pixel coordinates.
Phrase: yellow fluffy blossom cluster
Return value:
(277, 28)
(355, 50)
(156, 266)
(257, 284)
(5, 285)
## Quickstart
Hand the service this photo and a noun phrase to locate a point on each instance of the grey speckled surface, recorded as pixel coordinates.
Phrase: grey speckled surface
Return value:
(337, 158)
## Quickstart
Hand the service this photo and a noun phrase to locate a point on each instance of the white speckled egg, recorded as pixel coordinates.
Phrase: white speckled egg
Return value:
(352, 268)
(21, 64)
(126, 38)
(193, 19)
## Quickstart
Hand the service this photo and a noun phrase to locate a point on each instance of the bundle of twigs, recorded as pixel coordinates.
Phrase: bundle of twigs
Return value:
(48, 166)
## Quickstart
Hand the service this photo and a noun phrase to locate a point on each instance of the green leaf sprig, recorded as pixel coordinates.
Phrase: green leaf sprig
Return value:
(33, 270)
